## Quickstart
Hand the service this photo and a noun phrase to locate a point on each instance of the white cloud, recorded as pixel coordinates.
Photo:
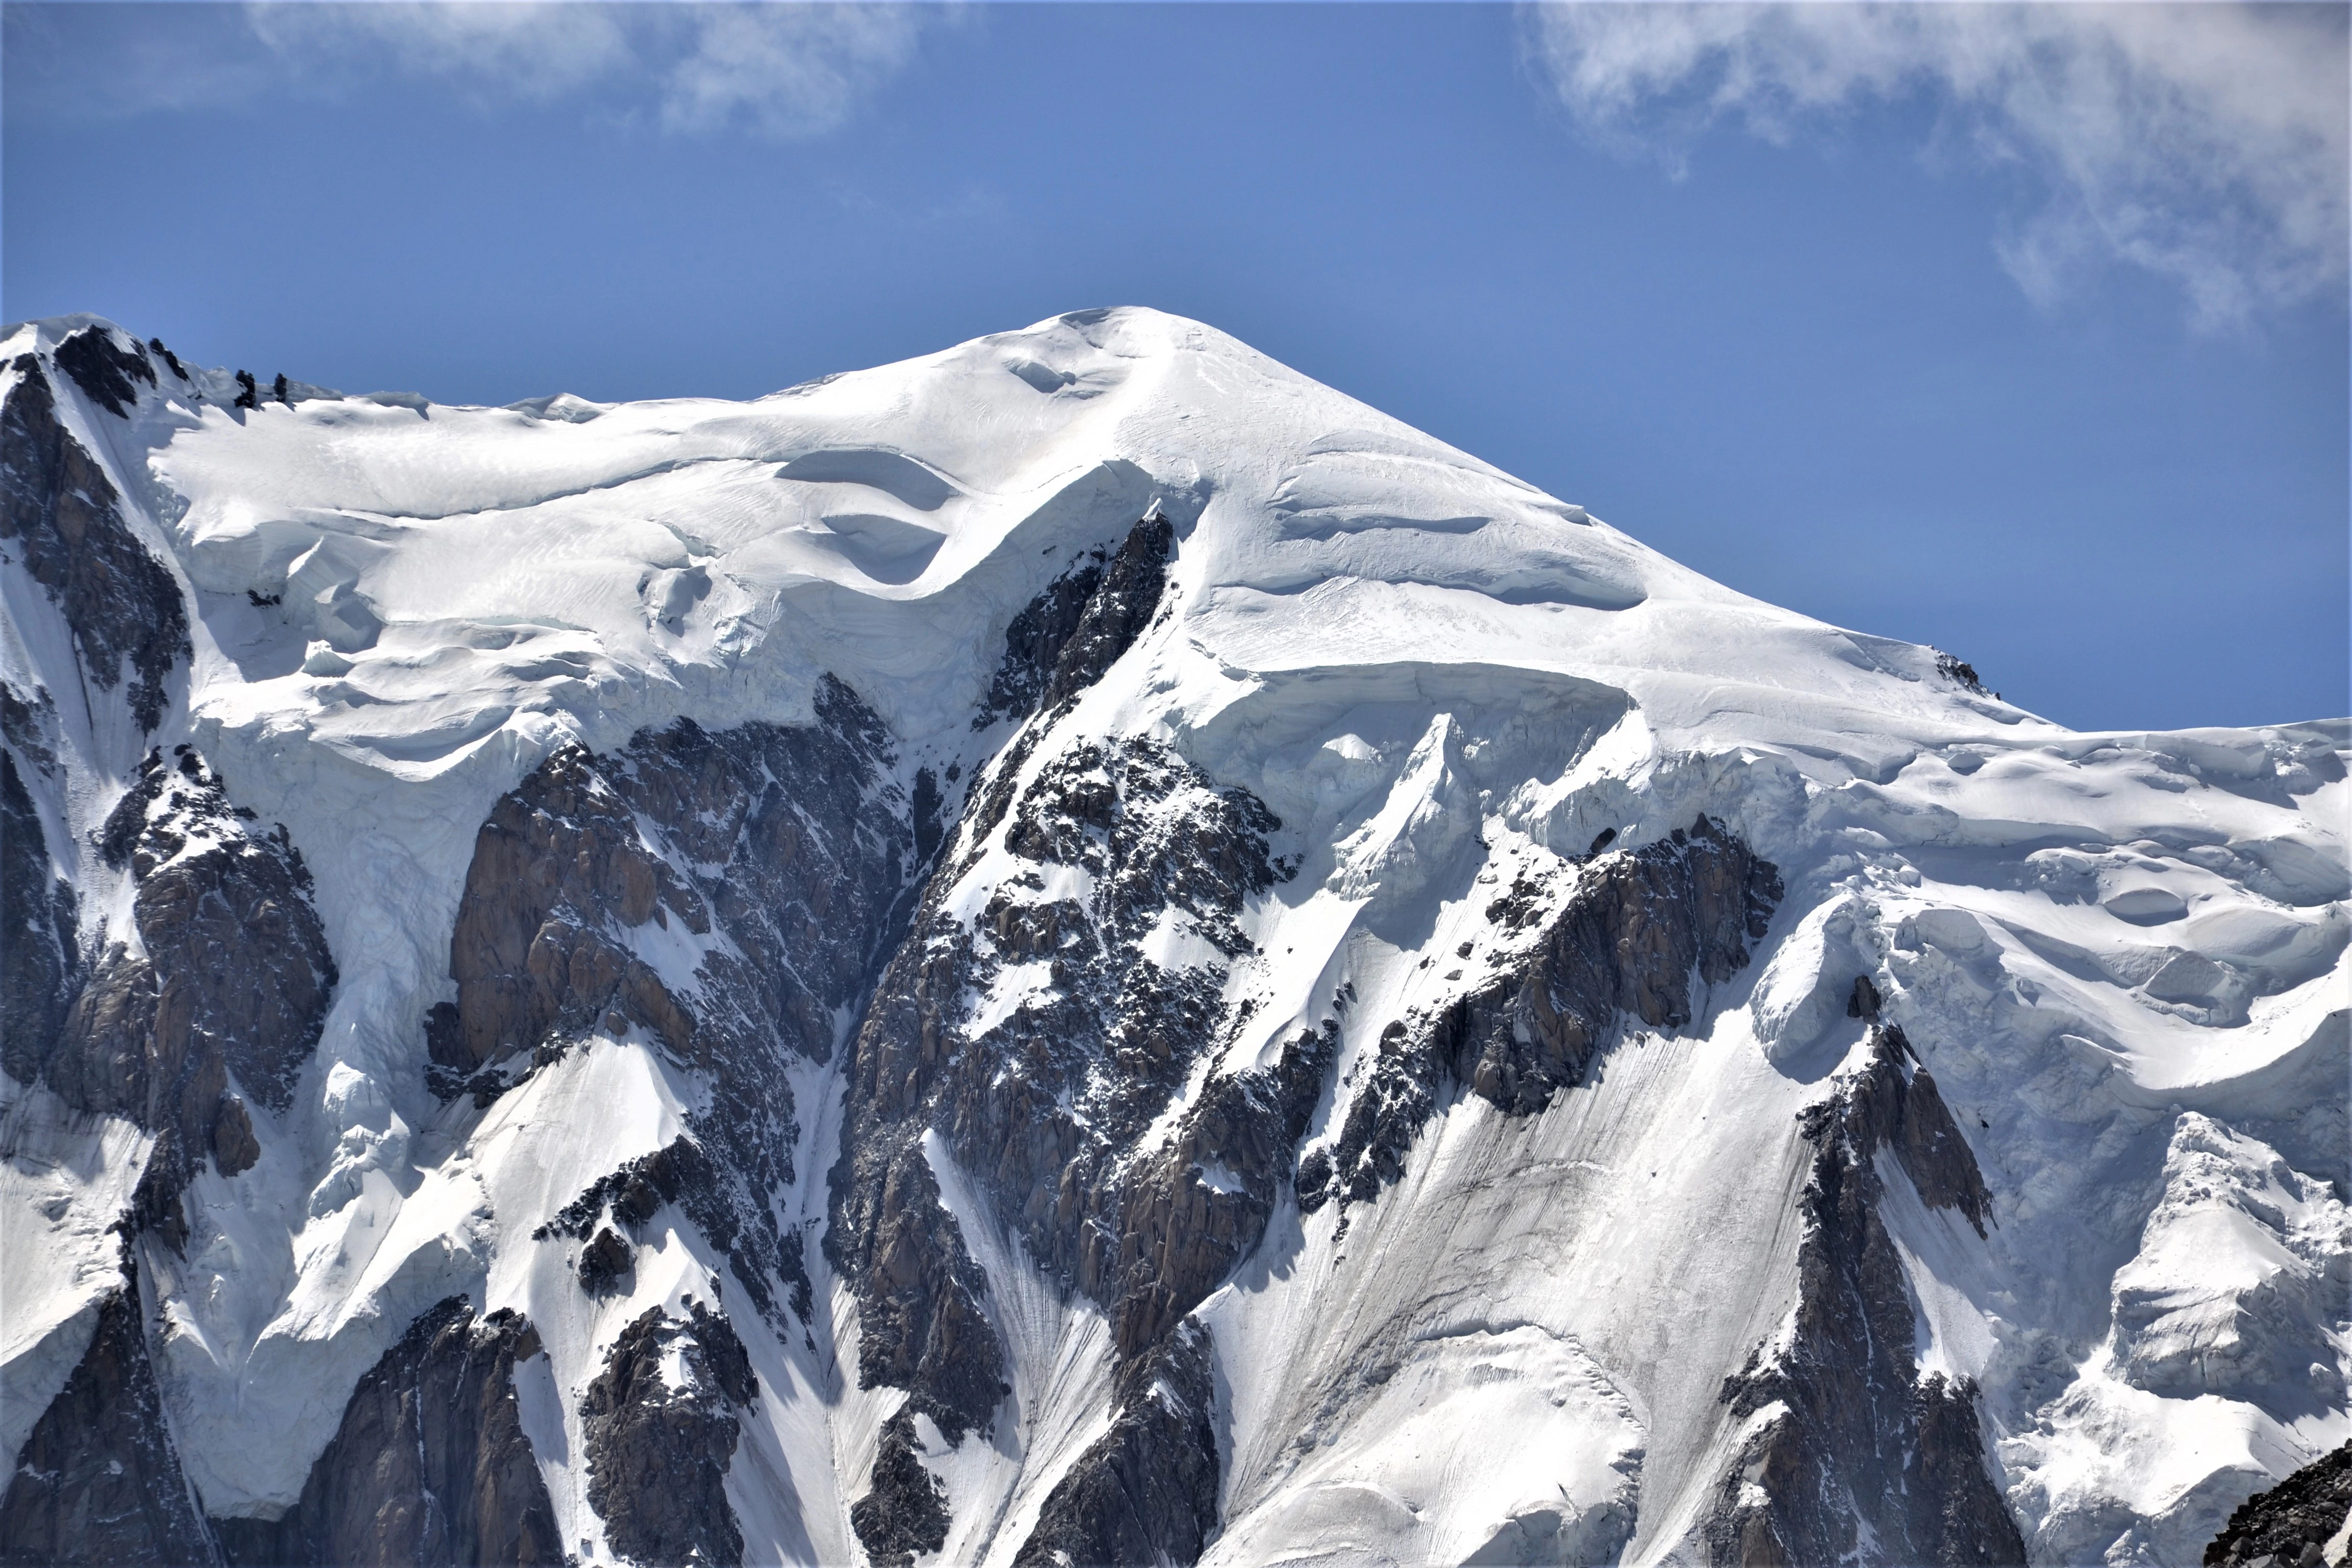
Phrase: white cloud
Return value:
(503, 46)
(2204, 143)
(787, 70)
(782, 70)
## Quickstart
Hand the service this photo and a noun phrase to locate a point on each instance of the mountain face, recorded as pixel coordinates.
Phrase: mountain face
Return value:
(1082, 951)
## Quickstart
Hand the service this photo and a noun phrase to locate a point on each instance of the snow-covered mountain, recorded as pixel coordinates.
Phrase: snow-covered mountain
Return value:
(1083, 950)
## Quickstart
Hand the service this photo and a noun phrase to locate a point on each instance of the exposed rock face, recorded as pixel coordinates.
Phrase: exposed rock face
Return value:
(1146, 1491)
(98, 1482)
(904, 1513)
(2286, 1526)
(606, 1261)
(775, 854)
(228, 999)
(1033, 1041)
(1869, 1461)
(1101, 1035)
(40, 962)
(1635, 928)
(430, 1465)
(657, 1448)
(1035, 640)
(1066, 638)
(1201, 1203)
(1053, 653)
(109, 366)
(62, 519)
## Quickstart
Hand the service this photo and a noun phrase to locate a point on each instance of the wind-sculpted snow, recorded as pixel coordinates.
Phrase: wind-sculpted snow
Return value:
(1082, 950)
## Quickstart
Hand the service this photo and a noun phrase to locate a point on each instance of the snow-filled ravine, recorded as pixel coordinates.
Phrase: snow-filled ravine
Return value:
(1084, 950)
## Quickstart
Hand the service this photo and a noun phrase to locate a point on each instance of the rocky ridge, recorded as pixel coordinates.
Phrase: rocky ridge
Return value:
(97, 1481)
(62, 518)
(662, 1429)
(2292, 1524)
(1852, 1452)
(430, 1465)
(774, 856)
(222, 998)
(1634, 931)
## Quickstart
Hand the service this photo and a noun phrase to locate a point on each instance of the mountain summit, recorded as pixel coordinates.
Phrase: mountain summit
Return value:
(1083, 950)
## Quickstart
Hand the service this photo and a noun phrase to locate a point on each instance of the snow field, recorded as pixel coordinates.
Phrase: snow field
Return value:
(2121, 954)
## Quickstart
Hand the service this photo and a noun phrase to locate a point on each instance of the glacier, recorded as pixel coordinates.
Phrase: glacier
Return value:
(1084, 950)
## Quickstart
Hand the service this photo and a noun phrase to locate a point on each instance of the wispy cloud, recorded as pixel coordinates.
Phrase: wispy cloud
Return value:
(781, 69)
(2204, 143)
(498, 47)
(786, 70)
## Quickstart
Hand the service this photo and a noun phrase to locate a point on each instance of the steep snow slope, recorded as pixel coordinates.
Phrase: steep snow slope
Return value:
(1211, 976)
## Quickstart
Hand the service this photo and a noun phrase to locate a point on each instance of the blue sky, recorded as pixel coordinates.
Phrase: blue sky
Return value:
(2019, 332)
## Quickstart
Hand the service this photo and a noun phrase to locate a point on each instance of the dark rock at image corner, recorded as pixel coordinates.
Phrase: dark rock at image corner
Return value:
(904, 1513)
(1146, 1490)
(97, 1481)
(2287, 1526)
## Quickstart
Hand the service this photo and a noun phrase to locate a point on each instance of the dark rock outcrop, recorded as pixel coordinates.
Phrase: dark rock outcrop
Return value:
(231, 988)
(658, 1451)
(1145, 1492)
(1864, 1002)
(685, 1174)
(1064, 640)
(1036, 639)
(1868, 1462)
(1195, 1210)
(1044, 1107)
(2286, 1526)
(1058, 646)
(40, 960)
(1961, 672)
(1636, 927)
(155, 345)
(606, 1261)
(107, 367)
(904, 1513)
(99, 1481)
(62, 519)
(1043, 1102)
(430, 1465)
(780, 852)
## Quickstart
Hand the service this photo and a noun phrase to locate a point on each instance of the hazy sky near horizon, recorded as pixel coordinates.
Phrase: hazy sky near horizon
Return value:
(2019, 331)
